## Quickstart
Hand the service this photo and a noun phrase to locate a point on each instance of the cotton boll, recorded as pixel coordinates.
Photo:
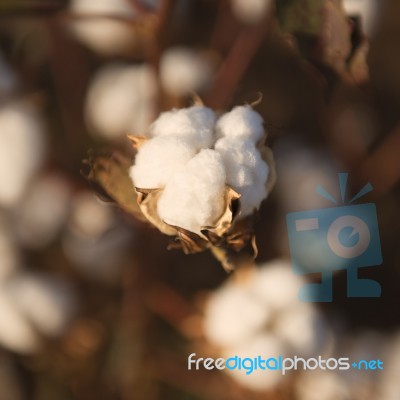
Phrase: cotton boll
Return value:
(250, 11)
(43, 211)
(183, 71)
(276, 285)
(22, 148)
(242, 122)
(16, 333)
(321, 385)
(121, 100)
(194, 124)
(246, 171)
(265, 345)
(46, 302)
(99, 27)
(233, 314)
(194, 196)
(303, 328)
(158, 160)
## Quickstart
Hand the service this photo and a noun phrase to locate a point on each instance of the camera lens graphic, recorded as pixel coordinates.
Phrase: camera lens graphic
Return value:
(348, 236)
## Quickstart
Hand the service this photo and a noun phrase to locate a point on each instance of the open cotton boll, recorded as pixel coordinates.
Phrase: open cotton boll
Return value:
(194, 124)
(121, 100)
(43, 211)
(246, 171)
(183, 71)
(232, 315)
(194, 196)
(22, 148)
(242, 122)
(276, 285)
(46, 302)
(101, 30)
(16, 333)
(250, 11)
(158, 160)
(264, 345)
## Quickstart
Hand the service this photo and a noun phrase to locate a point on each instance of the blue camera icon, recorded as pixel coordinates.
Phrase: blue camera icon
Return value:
(331, 239)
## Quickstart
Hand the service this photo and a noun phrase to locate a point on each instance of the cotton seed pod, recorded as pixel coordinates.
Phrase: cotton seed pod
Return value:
(195, 179)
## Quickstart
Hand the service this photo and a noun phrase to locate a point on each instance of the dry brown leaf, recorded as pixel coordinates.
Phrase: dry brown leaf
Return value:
(110, 172)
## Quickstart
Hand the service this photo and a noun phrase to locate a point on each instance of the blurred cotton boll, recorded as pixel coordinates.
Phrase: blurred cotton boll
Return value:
(16, 332)
(301, 169)
(184, 70)
(259, 314)
(89, 217)
(101, 27)
(94, 242)
(250, 11)
(389, 384)
(121, 100)
(33, 305)
(222, 326)
(22, 150)
(43, 211)
(46, 302)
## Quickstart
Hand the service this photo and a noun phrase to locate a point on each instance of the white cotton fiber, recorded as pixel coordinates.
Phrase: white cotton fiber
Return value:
(195, 124)
(158, 160)
(241, 122)
(246, 171)
(194, 197)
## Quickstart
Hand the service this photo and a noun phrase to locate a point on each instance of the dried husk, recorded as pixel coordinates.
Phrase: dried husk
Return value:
(229, 231)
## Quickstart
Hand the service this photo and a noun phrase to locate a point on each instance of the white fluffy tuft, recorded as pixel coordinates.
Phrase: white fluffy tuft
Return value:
(246, 171)
(241, 122)
(158, 160)
(194, 197)
(195, 124)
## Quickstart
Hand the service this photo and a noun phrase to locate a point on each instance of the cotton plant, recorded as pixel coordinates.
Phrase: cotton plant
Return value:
(198, 177)
(257, 312)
